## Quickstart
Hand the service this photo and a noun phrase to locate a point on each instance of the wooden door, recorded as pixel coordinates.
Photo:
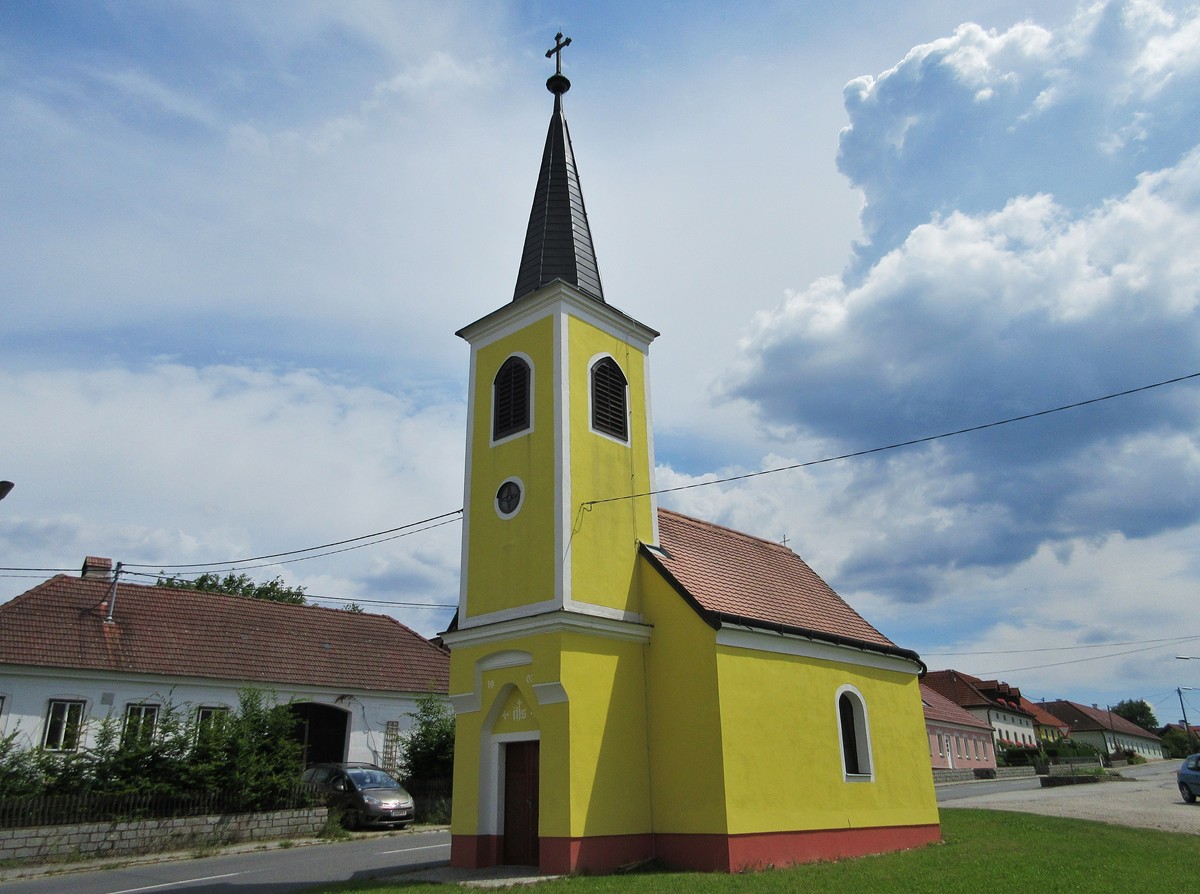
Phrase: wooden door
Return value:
(521, 803)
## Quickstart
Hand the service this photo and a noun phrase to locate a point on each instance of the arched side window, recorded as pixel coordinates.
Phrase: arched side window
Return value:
(510, 399)
(855, 734)
(609, 401)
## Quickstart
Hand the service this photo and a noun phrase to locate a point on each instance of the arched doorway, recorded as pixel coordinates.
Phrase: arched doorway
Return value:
(322, 731)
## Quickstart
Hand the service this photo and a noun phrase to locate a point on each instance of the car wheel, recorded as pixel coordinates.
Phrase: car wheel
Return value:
(1188, 794)
(352, 820)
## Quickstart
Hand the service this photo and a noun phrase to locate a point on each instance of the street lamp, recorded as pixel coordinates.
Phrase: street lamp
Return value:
(5, 487)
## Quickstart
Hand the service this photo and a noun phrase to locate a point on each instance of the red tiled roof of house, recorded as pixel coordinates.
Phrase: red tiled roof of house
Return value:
(158, 630)
(732, 577)
(940, 709)
(1083, 718)
(972, 692)
(1042, 716)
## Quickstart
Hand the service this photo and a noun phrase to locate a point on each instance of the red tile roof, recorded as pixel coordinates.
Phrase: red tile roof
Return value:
(157, 630)
(972, 692)
(1042, 716)
(1081, 718)
(731, 577)
(940, 709)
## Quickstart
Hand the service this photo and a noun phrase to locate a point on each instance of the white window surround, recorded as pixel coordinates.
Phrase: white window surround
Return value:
(64, 727)
(862, 734)
(520, 500)
(528, 430)
(591, 367)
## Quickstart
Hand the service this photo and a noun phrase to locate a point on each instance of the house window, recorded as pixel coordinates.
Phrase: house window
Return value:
(64, 725)
(609, 388)
(941, 750)
(510, 399)
(210, 719)
(139, 725)
(852, 725)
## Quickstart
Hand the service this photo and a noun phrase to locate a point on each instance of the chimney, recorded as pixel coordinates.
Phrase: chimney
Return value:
(96, 568)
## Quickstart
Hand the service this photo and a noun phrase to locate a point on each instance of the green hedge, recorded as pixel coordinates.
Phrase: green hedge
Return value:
(249, 757)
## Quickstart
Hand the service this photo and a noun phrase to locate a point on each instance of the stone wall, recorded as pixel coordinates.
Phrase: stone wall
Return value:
(1015, 772)
(116, 839)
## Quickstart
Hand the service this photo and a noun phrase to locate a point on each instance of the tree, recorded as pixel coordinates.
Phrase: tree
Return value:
(1177, 744)
(429, 747)
(237, 585)
(1137, 712)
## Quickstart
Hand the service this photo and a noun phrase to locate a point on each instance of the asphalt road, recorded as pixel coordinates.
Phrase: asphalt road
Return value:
(1145, 797)
(273, 871)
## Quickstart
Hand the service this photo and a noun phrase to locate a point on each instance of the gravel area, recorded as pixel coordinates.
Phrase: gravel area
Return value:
(1145, 797)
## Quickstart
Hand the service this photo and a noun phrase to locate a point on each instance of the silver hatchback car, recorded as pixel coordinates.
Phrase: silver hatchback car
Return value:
(364, 793)
(1189, 778)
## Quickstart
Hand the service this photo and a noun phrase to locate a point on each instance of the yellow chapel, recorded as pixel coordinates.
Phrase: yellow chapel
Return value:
(629, 683)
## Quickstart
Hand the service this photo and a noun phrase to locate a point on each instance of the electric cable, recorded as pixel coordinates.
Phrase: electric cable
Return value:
(307, 549)
(1013, 670)
(924, 440)
(1132, 642)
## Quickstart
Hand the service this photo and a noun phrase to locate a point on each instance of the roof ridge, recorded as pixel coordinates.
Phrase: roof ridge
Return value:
(709, 524)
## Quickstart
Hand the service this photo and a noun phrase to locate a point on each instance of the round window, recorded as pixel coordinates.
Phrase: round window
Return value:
(508, 498)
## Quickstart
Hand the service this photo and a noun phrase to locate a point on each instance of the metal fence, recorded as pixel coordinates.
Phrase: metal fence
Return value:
(431, 799)
(57, 810)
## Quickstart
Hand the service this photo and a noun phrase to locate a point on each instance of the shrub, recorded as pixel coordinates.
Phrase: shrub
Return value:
(250, 758)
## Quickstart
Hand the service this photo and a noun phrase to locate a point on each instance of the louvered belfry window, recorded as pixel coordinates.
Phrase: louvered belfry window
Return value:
(511, 398)
(608, 399)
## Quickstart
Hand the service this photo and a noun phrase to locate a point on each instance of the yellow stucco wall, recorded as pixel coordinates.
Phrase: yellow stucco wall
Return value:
(785, 707)
(687, 775)
(604, 537)
(593, 759)
(511, 562)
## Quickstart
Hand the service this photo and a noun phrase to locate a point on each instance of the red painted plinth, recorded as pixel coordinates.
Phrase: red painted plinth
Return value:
(602, 853)
(475, 851)
(703, 853)
(734, 853)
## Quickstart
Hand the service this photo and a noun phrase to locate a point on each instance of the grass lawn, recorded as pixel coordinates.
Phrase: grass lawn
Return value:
(982, 851)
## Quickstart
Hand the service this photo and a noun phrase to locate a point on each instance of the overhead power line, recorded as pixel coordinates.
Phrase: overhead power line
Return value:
(1135, 642)
(925, 440)
(449, 517)
(444, 518)
(1013, 670)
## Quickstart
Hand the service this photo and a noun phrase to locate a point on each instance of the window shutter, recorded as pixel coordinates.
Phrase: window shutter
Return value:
(609, 413)
(511, 396)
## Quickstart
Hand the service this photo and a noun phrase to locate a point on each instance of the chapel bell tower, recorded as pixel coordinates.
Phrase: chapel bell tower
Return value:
(549, 629)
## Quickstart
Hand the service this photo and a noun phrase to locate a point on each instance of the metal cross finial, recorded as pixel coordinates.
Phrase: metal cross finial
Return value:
(556, 52)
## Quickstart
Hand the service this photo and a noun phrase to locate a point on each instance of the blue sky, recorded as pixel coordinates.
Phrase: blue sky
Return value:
(236, 241)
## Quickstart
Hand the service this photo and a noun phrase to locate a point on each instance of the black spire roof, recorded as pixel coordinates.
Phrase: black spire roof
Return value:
(558, 242)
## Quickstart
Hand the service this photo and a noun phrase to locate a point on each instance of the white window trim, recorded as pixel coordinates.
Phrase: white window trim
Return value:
(520, 503)
(528, 430)
(628, 441)
(862, 734)
(81, 735)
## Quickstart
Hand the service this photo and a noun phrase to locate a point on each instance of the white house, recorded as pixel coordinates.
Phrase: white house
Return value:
(75, 650)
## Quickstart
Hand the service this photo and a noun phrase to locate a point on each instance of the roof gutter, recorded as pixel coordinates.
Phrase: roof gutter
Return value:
(846, 642)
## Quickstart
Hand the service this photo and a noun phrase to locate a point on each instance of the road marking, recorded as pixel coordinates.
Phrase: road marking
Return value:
(404, 850)
(188, 881)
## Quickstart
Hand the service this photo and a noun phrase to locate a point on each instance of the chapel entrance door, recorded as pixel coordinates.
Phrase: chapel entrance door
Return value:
(521, 803)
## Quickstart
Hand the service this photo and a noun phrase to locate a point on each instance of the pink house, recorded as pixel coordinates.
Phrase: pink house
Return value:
(958, 740)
